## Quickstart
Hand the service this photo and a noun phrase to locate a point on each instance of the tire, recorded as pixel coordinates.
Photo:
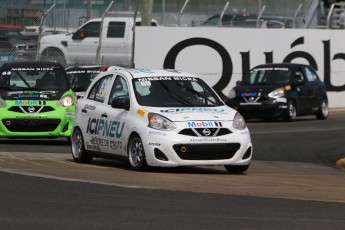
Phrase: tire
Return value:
(236, 169)
(323, 112)
(79, 153)
(292, 111)
(54, 55)
(136, 154)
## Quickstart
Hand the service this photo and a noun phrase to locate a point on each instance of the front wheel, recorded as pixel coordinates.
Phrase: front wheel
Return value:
(236, 169)
(292, 111)
(79, 153)
(136, 154)
(322, 114)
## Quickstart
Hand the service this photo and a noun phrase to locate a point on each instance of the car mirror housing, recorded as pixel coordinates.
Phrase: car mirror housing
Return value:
(120, 103)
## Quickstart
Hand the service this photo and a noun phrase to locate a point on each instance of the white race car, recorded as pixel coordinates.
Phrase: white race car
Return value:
(161, 118)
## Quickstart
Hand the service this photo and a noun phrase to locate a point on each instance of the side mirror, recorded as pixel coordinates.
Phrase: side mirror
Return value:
(120, 103)
(79, 35)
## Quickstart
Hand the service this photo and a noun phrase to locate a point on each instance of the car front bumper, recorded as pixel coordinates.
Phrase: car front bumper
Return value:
(169, 149)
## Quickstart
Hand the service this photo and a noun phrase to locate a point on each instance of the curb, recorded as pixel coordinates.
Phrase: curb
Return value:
(340, 163)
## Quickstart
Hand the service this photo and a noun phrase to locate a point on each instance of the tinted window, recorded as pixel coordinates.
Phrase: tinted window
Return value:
(174, 92)
(34, 78)
(116, 29)
(268, 75)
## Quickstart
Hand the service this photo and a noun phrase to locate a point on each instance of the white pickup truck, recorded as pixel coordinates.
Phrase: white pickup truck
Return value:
(80, 47)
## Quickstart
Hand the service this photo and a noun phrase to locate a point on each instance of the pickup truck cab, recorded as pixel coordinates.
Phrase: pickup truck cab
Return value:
(81, 46)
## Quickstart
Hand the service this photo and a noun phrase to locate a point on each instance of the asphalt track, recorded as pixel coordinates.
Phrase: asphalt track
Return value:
(293, 183)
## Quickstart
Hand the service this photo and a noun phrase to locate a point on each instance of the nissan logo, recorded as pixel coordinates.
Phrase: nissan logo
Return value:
(206, 132)
(31, 109)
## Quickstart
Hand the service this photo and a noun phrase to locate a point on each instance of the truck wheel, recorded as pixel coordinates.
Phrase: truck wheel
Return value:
(236, 169)
(79, 153)
(322, 114)
(54, 55)
(136, 154)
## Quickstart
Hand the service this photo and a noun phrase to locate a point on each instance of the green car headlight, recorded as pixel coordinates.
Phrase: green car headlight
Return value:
(66, 101)
(2, 103)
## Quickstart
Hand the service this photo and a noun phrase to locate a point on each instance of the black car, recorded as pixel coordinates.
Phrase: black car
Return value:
(281, 90)
(81, 76)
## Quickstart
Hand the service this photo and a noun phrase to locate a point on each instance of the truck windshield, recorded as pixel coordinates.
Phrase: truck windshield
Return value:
(174, 92)
(35, 78)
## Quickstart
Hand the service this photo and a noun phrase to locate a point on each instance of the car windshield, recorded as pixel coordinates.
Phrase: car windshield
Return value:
(34, 78)
(174, 92)
(11, 33)
(81, 79)
(268, 76)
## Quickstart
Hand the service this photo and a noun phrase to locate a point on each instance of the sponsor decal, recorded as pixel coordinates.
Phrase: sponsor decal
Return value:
(199, 124)
(157, 133)
(141, 112)
(105, 127)
(146, 79)
(90, 107)
(249, 94)
(29, 96)
(29, 103)
(96, 142)
(217, 139)
(193, 110)
(155, 144)
(33, 69)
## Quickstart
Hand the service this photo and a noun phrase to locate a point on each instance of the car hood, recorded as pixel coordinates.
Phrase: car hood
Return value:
(54, 38)
(255, 89)
(219, 113)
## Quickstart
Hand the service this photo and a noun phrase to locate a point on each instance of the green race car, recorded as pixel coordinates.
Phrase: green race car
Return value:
(36, 100)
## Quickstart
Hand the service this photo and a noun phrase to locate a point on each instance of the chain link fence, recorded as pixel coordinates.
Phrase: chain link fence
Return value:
(23, 23)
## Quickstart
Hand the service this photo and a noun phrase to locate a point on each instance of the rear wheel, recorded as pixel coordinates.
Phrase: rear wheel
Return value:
(136, 154)
(79, 153)
(323, 112)
(292, 111)
(236, 169)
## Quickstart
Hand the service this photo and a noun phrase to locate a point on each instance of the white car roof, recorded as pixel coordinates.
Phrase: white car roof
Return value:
(143, 72)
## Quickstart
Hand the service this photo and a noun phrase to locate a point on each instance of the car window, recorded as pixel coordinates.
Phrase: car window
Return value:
(119, 89)
(98, 91)
(92, 29)
(116, 30)
(311, 75)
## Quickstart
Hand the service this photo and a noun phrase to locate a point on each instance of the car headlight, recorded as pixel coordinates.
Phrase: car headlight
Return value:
(2, 103)
(159, 122)
(66, 101)
(232, 94)
(277, 93)
(239, 122)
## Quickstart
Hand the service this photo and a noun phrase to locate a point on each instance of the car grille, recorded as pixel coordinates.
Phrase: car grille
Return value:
(210, 132)
(31, 109)
(206, 151)
(31, 125)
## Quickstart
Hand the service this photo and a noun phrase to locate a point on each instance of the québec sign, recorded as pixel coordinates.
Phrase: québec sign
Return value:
(222, 55)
